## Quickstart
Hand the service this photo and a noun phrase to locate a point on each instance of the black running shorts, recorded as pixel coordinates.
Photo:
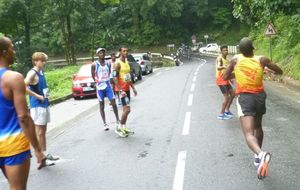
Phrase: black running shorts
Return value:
(251, 104)
(225, 88)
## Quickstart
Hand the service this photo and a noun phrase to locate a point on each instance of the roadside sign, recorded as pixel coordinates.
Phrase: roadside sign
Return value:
(270, 30)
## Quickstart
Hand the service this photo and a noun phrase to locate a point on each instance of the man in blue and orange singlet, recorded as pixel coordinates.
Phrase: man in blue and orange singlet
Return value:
(123, 82)
(224, 85)
(17, 130)
(251, 97)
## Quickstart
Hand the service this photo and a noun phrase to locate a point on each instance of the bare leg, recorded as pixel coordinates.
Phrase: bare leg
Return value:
(126, 111)
(225, 102)
(230, 96)
(102, 113)
(258, 131)
(113, 103)
(17, 175)
(41, 135)
(248, 126)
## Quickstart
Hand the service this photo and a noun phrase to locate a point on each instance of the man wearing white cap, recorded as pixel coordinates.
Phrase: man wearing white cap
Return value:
(101, 74)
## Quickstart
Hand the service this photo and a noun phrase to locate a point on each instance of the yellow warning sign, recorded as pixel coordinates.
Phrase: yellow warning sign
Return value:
(270, 30)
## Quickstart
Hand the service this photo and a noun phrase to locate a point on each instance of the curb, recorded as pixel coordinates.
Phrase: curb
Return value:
(59, 100)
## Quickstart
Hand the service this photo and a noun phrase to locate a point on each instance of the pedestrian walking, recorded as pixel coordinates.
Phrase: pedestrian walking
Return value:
(123, 81)
(39, 101)
(101, 70)
(251, 97)
(17, 130)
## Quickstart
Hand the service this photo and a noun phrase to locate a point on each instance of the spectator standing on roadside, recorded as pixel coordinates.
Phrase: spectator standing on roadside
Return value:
(39, 101)
(224, 85)
(16, 127)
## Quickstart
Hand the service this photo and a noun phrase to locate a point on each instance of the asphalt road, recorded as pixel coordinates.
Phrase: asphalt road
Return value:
(178, 142)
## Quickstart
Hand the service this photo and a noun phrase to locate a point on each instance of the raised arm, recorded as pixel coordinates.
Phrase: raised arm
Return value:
(228, 73)
(266, 62)
(29, 80)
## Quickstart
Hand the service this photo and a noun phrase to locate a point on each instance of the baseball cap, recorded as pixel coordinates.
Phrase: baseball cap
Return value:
(100, 49)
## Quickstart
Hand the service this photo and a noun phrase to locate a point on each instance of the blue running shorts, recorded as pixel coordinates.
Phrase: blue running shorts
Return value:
(15, 159)
(105, 92)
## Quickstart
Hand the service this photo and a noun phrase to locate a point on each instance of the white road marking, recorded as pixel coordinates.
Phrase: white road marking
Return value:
(157, 74)
(179, 172)
(193, 87)
(194, 79)
(196, 73)
(190, 100)
(187, 121)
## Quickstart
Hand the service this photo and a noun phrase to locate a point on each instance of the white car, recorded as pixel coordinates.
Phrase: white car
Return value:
(144, 61)
(213, 47)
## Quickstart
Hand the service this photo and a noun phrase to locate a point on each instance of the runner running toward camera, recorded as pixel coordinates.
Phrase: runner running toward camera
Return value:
(224, 85)
(100, 71)
(16, 127)
(248, 71)
(39, 103)
(123, 81)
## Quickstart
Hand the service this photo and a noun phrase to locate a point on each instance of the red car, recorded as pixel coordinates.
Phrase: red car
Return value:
(83, 84)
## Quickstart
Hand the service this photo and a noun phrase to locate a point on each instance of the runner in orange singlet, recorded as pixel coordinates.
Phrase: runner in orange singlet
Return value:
(251, 97)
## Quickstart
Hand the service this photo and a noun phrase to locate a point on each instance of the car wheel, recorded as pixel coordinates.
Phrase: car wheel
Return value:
(151, 71)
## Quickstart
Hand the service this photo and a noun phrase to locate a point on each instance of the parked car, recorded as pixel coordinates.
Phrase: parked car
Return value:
(144, 61)
(213, 47)
(195, 47)
(135, 69)
(83, 84)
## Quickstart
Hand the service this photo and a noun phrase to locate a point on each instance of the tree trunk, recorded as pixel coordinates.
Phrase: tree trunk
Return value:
(70, 41)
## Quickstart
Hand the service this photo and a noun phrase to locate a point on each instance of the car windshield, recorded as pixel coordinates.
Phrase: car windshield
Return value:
(137, 58)
(85, 70)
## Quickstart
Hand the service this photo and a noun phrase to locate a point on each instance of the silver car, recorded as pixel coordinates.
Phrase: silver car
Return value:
(144, 60)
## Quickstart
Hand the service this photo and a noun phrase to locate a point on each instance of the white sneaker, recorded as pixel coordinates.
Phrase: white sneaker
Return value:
(262, 170)
(106, 127)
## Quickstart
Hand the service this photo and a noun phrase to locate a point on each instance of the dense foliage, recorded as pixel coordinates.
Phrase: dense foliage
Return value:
(69, 27)
(285, 15)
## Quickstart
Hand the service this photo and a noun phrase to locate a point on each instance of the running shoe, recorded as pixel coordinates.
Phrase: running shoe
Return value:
(262, 170)
(106, 127)
(51, 157)
(121, 133)
(256, 160)
(228, 113)
(49, 162)
(224, 117)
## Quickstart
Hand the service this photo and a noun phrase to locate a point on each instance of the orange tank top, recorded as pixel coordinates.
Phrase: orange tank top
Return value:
(248, 75)
(220, 73)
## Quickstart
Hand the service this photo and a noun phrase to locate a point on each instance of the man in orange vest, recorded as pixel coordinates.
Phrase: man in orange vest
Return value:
(248, 72)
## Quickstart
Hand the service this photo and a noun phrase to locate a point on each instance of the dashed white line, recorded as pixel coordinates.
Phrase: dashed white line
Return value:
(196, 73)
(179, 172)
(190, 100)
(186, 125)
(194, 79)
(193, 87)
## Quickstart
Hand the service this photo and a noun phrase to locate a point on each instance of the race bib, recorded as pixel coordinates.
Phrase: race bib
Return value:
(46, 93)
(101, 86)
(127, 77)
